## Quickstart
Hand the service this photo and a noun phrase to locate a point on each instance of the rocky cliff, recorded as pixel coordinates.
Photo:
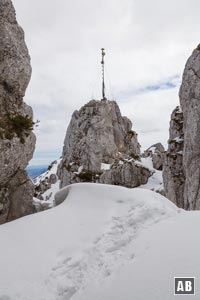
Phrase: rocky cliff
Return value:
(17, 141)
(100, 146)
(182, 163)
(173, 173)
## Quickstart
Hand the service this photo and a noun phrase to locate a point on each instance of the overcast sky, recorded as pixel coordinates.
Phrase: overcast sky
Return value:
(147, 44)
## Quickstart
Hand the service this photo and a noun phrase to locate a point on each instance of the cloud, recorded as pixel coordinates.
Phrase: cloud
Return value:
(147, 44)
(168, 83)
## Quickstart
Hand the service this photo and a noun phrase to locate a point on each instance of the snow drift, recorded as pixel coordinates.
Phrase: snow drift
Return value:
(103, 242)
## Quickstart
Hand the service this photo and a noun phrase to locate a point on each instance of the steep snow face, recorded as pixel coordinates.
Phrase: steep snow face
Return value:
(60, 253)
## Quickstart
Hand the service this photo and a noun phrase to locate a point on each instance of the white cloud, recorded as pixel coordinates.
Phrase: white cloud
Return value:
(147, 43)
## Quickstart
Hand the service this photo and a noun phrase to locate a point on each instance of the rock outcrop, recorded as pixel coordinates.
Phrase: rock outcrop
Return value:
(127, 173)
(173, 173)
(17, 142)
(100, 146)
(182, 165)
(156, 152)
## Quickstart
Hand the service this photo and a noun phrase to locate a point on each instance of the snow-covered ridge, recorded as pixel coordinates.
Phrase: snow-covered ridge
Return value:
(47, 191)
(83, 240)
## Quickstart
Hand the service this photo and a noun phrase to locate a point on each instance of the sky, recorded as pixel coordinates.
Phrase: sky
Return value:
(147, 44)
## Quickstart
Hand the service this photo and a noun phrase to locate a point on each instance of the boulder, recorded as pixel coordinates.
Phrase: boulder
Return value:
(128, 174)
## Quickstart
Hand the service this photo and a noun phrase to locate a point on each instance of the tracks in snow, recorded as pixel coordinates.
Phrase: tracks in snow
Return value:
(71, 276)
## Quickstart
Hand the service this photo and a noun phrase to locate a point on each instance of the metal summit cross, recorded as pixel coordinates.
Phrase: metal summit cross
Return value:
(103, 83)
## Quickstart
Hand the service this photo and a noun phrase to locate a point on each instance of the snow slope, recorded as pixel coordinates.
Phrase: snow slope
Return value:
(102, 243)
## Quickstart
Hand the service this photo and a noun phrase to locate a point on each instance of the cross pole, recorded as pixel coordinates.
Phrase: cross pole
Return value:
(103, 83)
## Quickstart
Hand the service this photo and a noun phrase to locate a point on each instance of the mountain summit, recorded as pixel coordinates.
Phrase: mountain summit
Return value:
(100, 146)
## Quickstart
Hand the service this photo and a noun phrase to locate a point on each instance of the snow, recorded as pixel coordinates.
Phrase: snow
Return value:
(163, 251)
(178, 139)
(105, 167)
(50, 193)
(102, 242)
(155, 182)
(80, 169)
(53, 170)
(146, 162)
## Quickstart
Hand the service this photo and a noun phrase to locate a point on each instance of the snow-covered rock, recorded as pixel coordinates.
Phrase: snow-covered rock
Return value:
(156, 152)
(150, 178)
(126, 173)
(101, 241)
(17, 142)
(46, 185)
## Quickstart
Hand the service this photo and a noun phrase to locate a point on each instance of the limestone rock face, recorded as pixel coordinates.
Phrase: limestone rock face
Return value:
(186, 168)
(173, 173)
(156, 152)
(17, 142)
(97, 139)
(21, 196)
(190, 104)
